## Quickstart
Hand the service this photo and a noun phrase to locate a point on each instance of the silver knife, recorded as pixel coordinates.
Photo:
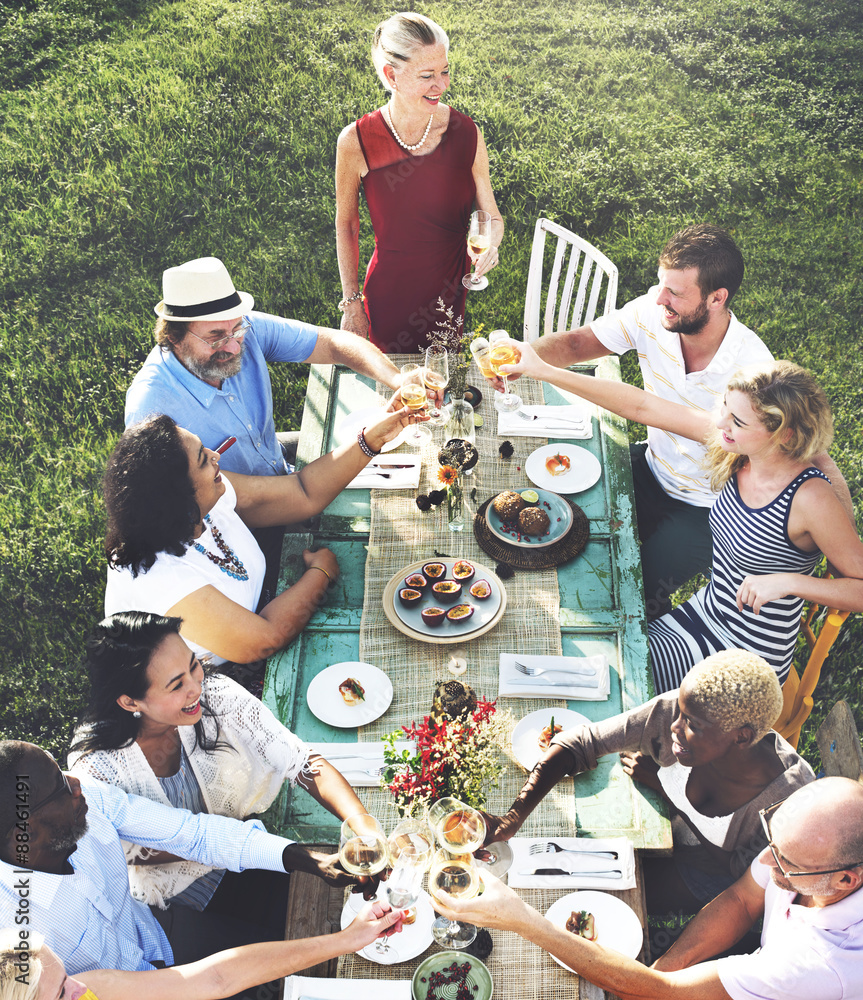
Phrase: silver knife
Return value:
(577, 681)
(615, 873)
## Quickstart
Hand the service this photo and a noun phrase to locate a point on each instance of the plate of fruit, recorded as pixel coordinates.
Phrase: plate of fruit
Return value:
(564, 468)
(444, 600)
(532, 519)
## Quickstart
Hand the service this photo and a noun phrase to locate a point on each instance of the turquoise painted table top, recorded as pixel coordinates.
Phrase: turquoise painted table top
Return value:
(601, 611)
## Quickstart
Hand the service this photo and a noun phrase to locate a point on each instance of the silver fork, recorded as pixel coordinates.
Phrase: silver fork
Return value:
(523, 668)
(552, 848)
(535, 416)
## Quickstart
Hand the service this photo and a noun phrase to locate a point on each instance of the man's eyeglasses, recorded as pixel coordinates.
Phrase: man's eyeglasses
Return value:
(763, 815)
(214, 345)
(65, 788)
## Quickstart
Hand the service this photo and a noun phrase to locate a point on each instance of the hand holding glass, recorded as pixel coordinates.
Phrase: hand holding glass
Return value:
(436, 376)
(453, 875)
(478, 241)
(413, 393)
(503, 351)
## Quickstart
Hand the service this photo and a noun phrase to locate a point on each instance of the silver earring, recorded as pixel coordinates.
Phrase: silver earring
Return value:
(136, 715)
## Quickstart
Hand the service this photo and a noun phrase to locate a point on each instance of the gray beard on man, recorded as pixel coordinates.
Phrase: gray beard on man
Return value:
(212, 369)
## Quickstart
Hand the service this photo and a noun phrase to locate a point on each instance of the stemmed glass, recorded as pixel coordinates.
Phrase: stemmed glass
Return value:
(453, 875)
(413, 393)
(436, 376)
(459, 827)
(362, 845)
(503, 351)
(478, 241)
(402, 888)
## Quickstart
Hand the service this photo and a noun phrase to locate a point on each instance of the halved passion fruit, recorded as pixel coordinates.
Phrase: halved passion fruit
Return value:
(434, 571)
(433, 616)
(481, 590)
(409, 597)
(416, 581)
(460, 613)
(463, 570)
(447, 591)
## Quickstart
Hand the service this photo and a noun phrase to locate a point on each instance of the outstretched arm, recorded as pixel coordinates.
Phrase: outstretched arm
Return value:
(339, 347)
(625, 400)
(238, 969)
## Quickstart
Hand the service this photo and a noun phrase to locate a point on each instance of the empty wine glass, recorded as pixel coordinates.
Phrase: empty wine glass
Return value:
(436, 376)
(453, 875)
(413, 393)
(402, 890)
(504, 351)
(478, 241)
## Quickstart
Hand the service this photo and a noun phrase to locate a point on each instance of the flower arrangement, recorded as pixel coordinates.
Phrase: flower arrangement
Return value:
(453, 757)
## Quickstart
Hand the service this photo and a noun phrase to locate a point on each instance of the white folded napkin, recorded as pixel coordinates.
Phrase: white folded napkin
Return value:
(307, 988)
(356, 760)
(551, 423)
(524, 861)
(590, 678)
(377, 476)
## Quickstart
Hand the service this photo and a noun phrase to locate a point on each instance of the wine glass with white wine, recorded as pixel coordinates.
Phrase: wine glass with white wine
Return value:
(362, 846)
(459, 827)
(478, 241)
(453, 875)
(436, 376)
(413, 393)
(504, 351)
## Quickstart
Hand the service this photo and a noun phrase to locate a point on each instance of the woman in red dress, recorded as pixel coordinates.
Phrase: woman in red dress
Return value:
(424, 168)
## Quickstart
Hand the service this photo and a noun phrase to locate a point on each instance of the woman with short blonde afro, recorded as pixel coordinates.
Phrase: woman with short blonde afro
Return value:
(710, 752)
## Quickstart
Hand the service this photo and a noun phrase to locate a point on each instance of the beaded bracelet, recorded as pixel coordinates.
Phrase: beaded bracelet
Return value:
(357, 296)
(365, 447)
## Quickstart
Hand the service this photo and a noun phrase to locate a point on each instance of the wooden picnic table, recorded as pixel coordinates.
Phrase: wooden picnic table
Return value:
(601, 611)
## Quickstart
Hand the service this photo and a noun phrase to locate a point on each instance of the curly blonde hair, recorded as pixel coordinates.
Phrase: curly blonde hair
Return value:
(396, 39)
(791, 405)
(15, 962)
(736, 688)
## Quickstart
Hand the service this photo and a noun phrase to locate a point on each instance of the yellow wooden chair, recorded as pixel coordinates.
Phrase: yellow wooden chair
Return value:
(820, 634)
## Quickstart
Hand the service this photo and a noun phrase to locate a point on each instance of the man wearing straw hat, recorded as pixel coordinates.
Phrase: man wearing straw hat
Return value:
(209, 371)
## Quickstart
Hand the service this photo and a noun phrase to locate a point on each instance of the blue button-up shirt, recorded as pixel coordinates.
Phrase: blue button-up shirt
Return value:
(89, 918)
(242, 408)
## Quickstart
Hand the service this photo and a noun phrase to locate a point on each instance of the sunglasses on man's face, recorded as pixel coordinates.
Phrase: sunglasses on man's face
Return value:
(63, 789)
(764, 815)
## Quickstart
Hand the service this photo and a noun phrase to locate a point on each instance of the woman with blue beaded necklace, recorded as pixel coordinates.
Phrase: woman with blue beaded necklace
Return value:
(178, 539)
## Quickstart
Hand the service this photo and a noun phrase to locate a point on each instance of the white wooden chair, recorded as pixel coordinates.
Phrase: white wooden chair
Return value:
(592, 270)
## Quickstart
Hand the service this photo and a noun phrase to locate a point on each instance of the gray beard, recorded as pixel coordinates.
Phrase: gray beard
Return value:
(211, 369)
(68, 841)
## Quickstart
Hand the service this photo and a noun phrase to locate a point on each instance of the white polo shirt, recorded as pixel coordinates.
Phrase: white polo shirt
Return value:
(676, 462)
(806, 953)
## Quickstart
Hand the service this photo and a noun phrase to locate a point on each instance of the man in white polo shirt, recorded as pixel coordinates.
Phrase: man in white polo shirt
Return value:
(689, 344)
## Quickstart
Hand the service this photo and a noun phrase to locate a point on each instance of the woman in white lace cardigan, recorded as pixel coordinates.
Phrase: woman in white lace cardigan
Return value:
(157, 727)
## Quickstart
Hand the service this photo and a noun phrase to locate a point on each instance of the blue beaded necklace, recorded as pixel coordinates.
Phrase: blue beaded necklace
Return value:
(227, 561)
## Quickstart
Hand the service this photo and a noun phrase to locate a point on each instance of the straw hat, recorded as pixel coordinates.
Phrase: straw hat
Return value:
(201, 289)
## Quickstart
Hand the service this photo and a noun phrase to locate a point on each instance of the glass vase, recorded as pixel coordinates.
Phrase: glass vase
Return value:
(455, 506)
(459, 420)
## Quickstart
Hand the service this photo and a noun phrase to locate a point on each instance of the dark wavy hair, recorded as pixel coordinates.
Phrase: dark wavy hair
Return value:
(149, 496)
(118, 652)
(712, 251)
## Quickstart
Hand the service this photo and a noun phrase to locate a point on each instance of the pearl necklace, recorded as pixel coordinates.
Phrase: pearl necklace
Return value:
(227, 561)
(399, 139)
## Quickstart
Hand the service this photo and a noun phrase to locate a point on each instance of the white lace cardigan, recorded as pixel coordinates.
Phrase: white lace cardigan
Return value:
(234, 782)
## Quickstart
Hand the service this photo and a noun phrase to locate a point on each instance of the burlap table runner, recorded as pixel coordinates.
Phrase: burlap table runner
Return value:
(401, 534)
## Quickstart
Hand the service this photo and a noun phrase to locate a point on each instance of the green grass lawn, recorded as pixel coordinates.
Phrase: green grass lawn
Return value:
(140, 134)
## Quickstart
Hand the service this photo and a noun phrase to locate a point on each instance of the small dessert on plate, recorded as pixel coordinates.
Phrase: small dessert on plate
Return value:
(548, 733)
(352, 691)
(582, 924)
(534, 521)
(558, 464)
(507, 505)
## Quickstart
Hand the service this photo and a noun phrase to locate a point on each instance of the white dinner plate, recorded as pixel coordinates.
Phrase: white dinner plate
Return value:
(526, 733)
(325, 700)
(584, 470)
(408, 943)
(617, 926)
(355, 421)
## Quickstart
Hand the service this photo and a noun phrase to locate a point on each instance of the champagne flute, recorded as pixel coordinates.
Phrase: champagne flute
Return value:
(504, 351)
(459, 827)
(362, 846)
(453, 875)
(478, 241)
(413, 393)
(436, 376)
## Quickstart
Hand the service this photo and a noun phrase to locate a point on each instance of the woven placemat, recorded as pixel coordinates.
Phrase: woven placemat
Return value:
(519, 557)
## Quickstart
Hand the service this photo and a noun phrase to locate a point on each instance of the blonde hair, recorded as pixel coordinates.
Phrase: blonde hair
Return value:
(17, 964)
(790, 404)
(400, 36)
(736, 688)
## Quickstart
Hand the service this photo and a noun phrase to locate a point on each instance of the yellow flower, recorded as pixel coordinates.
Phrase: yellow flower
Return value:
(447, 475)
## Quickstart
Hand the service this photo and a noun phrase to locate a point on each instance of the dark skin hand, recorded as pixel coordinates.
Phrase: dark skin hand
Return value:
(642, 769)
